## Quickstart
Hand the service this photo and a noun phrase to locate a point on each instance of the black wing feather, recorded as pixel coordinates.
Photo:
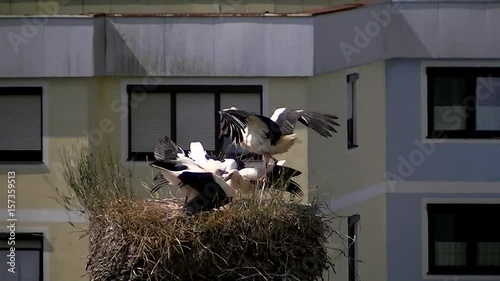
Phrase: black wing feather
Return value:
(203, 183)
(237, 121)
(169, 166)
(283, 172)
(158, 181)
(294, 188)
(274, 133)
(210, 193)
(166, 149)
(323, 124)
(286, 121)
(281, 177)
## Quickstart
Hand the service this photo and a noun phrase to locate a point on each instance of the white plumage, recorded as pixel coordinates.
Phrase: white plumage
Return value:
(196, 172)
(202, 189)
(200, 156)
(271, 136)
(245, 180)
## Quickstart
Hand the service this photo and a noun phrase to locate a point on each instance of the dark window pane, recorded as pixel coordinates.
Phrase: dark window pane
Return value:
(444, 227)
(449, 91)
(449, 108)
(450, 249)
(464, 239)
(350, 131)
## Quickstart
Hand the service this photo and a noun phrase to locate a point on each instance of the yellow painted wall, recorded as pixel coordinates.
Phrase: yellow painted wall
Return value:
(67, 253)
(67, 106)
(79, 106)
(282, 92)
(68, 103)
(332, 168)
(371, 241)
(72, 7)
(289, 92)
(338, 172)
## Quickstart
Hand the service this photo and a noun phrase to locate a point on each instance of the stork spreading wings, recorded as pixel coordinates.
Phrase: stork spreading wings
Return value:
(271, 136)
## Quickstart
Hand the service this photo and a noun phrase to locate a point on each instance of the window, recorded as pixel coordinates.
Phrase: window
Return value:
(351, 110)
(463, 102)
(185, 114)
(21, 124)
(352, 232)
(464, 239)
(28, 257)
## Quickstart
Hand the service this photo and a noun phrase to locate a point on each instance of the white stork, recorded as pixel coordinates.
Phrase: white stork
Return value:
(271, 136)
(200, 157)
(211, 164)
(202, 189)
(166, 150)
(246, 179)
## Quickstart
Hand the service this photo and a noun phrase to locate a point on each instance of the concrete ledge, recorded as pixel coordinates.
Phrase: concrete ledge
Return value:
(249, 46)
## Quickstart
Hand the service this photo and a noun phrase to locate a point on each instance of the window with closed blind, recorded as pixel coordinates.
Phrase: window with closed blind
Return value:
(28, 256)
(185, 114)
(21, 124)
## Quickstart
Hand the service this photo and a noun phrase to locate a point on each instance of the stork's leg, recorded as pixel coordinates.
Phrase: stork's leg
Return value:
(264, 178)
(275, 161)
(266, 158)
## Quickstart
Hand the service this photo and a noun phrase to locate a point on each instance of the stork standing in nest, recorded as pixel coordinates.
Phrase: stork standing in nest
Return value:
(272, 136)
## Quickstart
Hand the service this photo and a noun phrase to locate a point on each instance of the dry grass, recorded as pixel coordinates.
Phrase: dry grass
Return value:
(94, 181)
(134, 238)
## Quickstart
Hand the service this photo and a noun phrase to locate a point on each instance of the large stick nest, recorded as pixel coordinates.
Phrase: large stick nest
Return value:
(246, 240)
(135, 239)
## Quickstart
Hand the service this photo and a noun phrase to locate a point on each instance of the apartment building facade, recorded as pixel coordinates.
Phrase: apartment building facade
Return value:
(394, 73)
